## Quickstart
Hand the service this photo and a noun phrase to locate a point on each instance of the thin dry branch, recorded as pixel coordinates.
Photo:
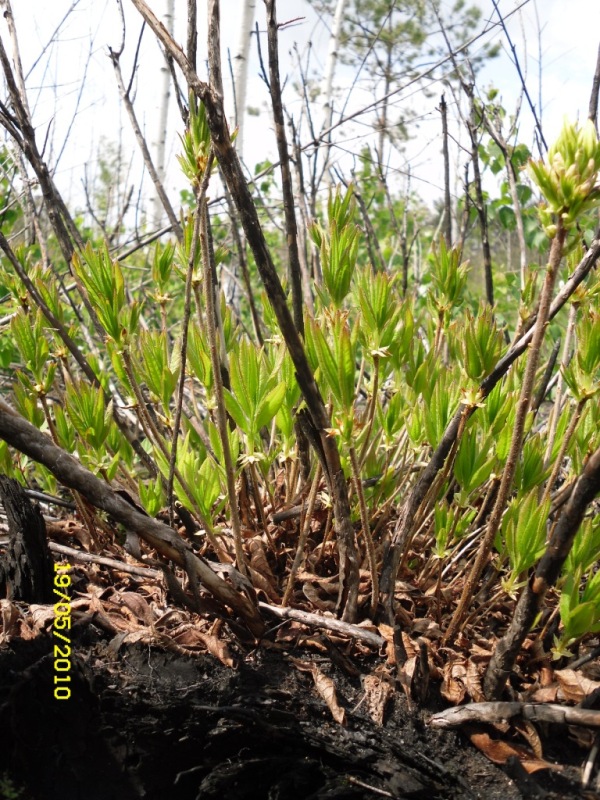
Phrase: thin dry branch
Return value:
(27, 439)
(325, 623)
(113, 563)
(233, 174)
(546, 574)
(22, 130)
(523, 405)
(115, 56)
(402, 533)
(502, 712)
(593, 107)
(294, 270)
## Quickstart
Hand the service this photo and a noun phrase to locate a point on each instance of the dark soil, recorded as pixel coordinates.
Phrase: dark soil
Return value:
(142, 723)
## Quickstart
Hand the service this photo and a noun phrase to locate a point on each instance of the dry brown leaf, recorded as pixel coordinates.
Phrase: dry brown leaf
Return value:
(546, 676)
(189, 636)
(11, 617)
(500, 751)
(173, 616)
(427, 627)
(530, 733)
(473, 682)
(405, 676)
(26, 631)
(325, 687)
(186, 635)
(575, 686)
(261, 583)
(410, 645)
(311, 642)
(547, 694)
(89, 602)
(453, 683)
(259, 560)
(312, 594)
(41, 617)
(218, 648)
(121, 617)
(137, 604)
(480, 651)
(64, 529)
(329, 585)
(387, 633)
(377, 695)
(367, 625)
(404, 593)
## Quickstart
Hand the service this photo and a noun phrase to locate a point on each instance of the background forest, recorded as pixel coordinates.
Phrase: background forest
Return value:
(303, 387)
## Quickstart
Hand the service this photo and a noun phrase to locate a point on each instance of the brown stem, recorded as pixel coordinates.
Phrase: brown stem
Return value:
(192, 32)
(211, 326)
(517, 436)
(142, 144)
(480, 206)
(25, 438)
(366, 528)
(234, 177)
(184, 338)
(593, 107)
(310, 507)
(294, 270)
(447, 201)
(545, 576)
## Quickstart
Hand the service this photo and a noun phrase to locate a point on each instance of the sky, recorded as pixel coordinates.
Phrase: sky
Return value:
(64, 48)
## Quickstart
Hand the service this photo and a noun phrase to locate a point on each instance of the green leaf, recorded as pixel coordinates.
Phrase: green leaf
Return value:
(346, 361)
(152, 495)
(524, 527)
(473, 465)
(530, 471)
(441, 407)
(88, 413)
(325, 359)
(28, 333)
(198, 357)
(586, 547)
(155, 366)
(236, 412)
(507, 218)
(270, 405)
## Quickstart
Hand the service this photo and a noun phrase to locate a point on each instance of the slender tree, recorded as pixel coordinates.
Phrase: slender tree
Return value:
(163, 119)
(240, 70)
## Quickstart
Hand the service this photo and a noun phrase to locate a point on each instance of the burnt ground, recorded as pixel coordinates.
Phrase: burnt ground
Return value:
(145, 723)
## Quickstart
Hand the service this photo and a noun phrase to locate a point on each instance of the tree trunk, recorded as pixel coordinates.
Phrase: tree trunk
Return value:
(328, 75)
(240, 72)
(28, 566)
(165, 96)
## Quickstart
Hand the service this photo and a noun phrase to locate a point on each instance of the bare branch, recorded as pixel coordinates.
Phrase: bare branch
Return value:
(545, 577)
(233, 174)
(160, 190)
(294, 271)
(24, 437)
(593, 107)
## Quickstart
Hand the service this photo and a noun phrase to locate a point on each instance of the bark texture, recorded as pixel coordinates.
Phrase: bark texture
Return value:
(28, 568)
